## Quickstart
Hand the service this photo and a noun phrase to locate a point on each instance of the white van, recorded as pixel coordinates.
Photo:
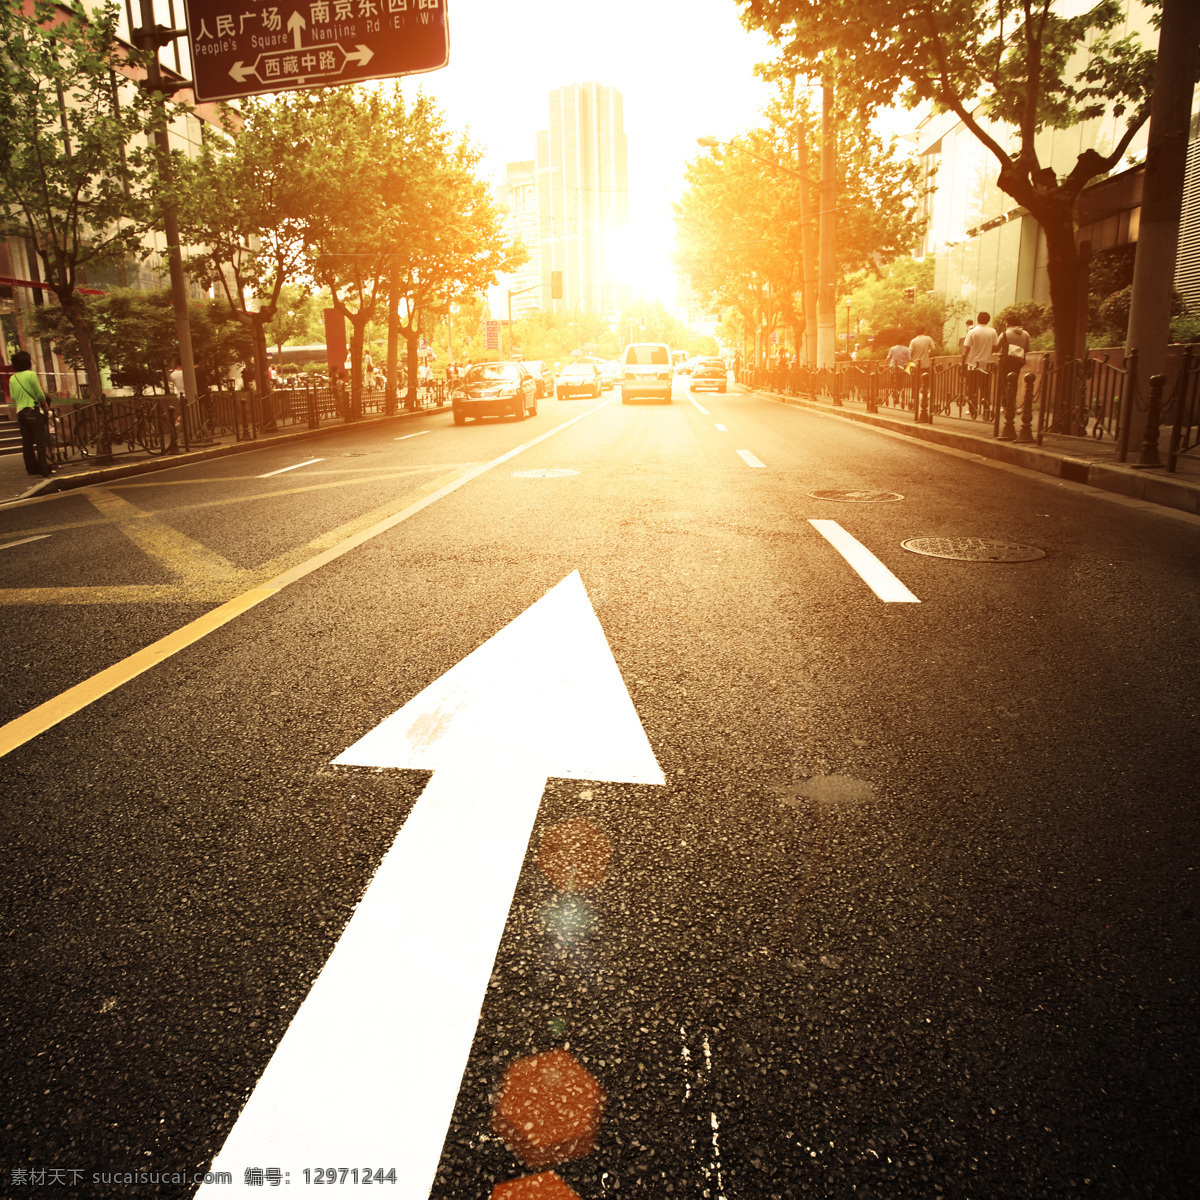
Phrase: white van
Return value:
(646, 371)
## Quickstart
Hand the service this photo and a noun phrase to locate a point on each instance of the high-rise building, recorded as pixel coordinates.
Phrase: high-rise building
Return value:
(583, 198)
(521, 210)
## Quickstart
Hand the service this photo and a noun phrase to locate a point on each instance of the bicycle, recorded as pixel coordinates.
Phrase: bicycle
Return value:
(137, 427)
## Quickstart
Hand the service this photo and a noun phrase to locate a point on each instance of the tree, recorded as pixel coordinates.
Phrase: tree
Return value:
(882, 305)
(242, 204)
(74, 148)
(293, 315)
(1009, 69)
(741, 225)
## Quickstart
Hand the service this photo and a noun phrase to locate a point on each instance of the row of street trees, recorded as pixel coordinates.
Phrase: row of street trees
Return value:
(356, 191)
(1008, 69)
(748, 224)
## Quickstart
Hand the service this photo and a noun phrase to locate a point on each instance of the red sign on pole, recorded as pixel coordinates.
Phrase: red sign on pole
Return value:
(251, 47)
(491, 335)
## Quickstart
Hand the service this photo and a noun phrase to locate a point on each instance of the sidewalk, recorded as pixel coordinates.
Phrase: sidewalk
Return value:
(1079, 459)
(16, 484)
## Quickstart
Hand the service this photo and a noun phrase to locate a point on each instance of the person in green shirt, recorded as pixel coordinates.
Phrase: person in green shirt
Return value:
(26, 393)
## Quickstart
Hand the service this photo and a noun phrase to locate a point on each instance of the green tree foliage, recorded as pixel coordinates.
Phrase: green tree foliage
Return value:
(134, 335)
(293, 317)
(739, 233)
(1008, 70)
(78, 177)
(888, 316)
(242, 205)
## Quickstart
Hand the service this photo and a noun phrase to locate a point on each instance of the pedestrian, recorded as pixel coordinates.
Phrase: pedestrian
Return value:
(977, 356)
(1014, 350)
(27, 396)
(920, 359)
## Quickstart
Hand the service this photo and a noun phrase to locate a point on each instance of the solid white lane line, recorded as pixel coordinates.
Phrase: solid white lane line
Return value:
(700, 406)
(408, 435)
(48, 714)
(293, 467)
(10, 545)
(750, 460)
(720, 427)
(872, 572)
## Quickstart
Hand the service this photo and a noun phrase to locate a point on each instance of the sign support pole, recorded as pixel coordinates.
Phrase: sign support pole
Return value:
(149, 39)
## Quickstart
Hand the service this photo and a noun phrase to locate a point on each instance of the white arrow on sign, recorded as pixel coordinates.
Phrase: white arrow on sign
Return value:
(369, 1069)
(239, 71)
(296, 23)
(360, 54)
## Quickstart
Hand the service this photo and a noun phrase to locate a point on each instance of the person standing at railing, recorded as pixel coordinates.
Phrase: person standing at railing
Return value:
(29, 399)
(1014, 350)
(977, 356)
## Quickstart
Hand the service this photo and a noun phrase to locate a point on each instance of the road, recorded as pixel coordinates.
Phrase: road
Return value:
(909, 911)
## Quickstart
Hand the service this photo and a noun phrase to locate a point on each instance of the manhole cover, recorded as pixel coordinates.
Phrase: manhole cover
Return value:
(856, 497)
(544, 473)
(971, 549)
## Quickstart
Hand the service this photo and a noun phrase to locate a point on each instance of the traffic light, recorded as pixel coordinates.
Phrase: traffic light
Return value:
(910, 294)
(556, 285)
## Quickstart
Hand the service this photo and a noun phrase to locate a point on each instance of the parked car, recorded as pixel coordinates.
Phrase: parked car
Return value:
(646, 371)
(580, 376)
(494, 389)
(709, 373)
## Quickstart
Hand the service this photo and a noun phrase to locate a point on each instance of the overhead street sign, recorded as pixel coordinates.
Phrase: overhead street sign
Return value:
(245, 47)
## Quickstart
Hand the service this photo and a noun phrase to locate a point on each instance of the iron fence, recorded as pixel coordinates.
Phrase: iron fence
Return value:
(1185, 403)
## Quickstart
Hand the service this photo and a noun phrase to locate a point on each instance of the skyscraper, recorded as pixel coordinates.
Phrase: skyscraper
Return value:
(521, 209)
(583, 197)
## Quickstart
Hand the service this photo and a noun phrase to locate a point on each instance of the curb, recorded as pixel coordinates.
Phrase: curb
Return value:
(1167, 491)
(145, 466)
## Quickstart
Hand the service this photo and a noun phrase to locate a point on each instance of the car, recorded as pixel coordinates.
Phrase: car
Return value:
(646, 371)
(494, 389)
(580, 376)
(709, 373)
(543, 375)
(679, 360)
(610, 373)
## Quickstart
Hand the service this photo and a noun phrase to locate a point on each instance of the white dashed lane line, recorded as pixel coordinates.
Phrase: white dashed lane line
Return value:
(750, 459)
(720, 428)
(700, 406)
(872, 572)
(22, 542)
(293, 467)
(408, 435)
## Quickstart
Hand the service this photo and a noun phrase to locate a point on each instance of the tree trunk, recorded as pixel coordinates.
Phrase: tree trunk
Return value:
(74, 313)
(393, 354)
(1062, 266)
(358, 327)
(262, 372)
(808, 266)
(412, 337)
(827, 218)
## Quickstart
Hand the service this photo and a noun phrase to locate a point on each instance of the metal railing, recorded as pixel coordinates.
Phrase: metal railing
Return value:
(1185, 403)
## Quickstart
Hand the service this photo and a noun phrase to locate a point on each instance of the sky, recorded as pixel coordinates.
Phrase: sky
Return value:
(684, 67)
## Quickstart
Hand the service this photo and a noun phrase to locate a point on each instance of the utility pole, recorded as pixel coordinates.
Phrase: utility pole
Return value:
(827, 234)
(1162, 194)
(150, 37)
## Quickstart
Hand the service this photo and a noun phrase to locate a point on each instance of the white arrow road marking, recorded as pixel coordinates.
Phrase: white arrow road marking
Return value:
(361, 54)
(750, 460)
(700, 406)
(370, 1067)
(10, 545)
(293, 467)
(873, 573)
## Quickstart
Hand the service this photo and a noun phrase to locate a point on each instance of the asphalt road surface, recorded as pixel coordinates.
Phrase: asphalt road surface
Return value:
(798, 890)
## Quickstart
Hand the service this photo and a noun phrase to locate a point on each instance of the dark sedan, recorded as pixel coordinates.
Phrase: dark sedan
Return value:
(710, 373)
(579, 378)
(495, 389)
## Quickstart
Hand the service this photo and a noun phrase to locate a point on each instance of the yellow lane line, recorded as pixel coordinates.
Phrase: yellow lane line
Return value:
(187, 558)
(24, 728)
(38, 720)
